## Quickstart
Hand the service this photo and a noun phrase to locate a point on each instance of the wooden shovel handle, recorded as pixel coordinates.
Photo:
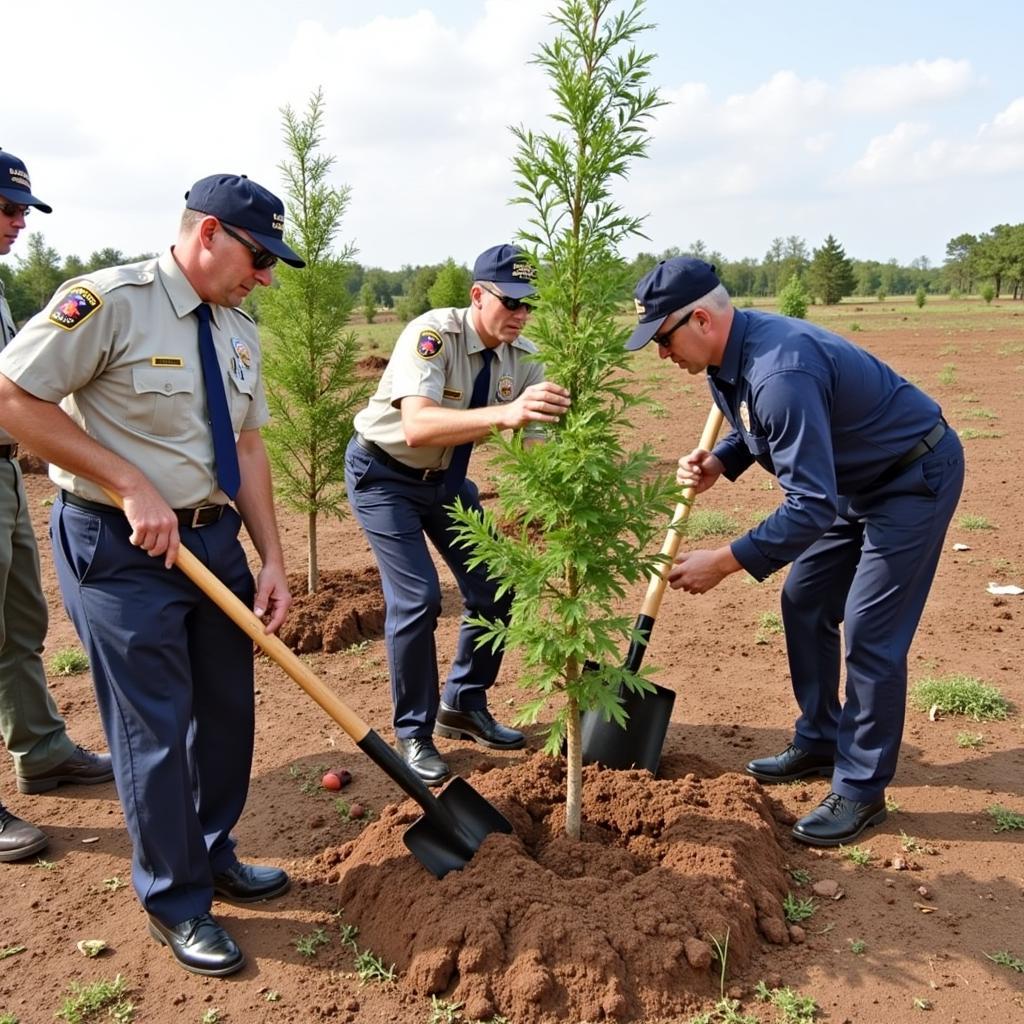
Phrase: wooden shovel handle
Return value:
(659, 578)
(271, 645)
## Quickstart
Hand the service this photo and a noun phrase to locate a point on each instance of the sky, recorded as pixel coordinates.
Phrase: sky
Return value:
(893, 126)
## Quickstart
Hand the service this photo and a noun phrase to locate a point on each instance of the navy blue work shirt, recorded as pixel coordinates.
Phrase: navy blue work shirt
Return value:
(825, 417)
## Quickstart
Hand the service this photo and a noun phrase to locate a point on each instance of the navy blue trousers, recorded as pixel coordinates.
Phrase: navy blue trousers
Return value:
(174, 684)
(871, 572)
(397, 515)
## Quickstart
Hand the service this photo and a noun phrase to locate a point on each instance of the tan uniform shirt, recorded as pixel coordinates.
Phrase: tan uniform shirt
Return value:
(7, 330)
(119, 351)
(437, 357)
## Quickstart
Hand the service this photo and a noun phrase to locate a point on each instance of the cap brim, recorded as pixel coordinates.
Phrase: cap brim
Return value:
(515, 289)
(23, 198)
(643, 334)
(279, 249)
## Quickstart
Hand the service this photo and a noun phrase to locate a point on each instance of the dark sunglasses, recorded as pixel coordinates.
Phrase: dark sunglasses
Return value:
(262, 259)
(512, 305)
(663, 339)
(13, 209)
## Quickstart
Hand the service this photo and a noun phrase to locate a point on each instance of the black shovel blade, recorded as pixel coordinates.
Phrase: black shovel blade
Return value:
(452, 830)
(639, 744)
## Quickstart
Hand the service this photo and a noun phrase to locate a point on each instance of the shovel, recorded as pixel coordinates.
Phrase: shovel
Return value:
(638, 744)
(454, 824)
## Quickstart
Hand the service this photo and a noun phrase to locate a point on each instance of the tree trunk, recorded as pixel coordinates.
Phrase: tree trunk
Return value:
(313, 579)
(573, 771)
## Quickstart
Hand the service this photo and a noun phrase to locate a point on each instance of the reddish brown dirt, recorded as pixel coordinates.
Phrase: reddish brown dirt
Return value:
(345, 609)
(538, 928)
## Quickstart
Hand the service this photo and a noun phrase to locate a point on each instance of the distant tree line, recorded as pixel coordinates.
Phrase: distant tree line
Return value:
(991, 264)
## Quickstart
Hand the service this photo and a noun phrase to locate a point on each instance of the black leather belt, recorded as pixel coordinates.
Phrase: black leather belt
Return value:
(8, 451)
(428, 476)
(922, 448)
(203, 515)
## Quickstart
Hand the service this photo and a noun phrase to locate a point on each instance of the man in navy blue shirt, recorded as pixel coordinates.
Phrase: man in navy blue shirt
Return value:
(871, 476)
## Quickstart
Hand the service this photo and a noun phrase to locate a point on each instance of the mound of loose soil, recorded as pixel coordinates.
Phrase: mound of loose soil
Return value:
(540, 928)
(346, 609)
(374, 363)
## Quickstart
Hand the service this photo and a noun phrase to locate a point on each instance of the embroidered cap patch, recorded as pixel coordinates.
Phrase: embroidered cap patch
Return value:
(429, 344)
(77, 305)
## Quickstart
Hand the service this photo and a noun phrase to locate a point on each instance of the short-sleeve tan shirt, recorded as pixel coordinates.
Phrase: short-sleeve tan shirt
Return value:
(119, 350)
(437, 356)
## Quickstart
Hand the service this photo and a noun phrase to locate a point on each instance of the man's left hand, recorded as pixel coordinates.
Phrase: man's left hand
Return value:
(697, 572)
(273, 599)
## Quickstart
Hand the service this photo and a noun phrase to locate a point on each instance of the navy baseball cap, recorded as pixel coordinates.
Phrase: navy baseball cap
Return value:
(509, 268)
(237, 201)
(14, 183)
(671, 285)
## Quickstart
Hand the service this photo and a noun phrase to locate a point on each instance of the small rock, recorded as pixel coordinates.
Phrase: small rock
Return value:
(352, 1005)
(897, 864)
(179, 999)
(827, 888)
(797, 935)
(889, 883)
(924, 892)
(698, 954)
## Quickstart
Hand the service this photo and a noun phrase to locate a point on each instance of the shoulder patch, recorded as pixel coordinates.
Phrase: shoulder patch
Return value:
(429, 344)
(75, 306)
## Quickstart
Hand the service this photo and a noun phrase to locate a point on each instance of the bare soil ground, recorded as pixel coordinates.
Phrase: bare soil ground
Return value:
(536, 930)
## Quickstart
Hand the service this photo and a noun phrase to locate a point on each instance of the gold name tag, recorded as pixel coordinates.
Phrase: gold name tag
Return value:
(452, 394)
(166, 361)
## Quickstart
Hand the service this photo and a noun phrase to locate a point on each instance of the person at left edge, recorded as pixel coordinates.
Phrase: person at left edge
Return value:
(33, 731)
(120, 351)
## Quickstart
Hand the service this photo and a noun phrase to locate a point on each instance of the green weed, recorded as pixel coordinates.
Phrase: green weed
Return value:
(113, 884)
(349, 934)
(795, 1008)
(69, 661)
(972, 434)
(726, 1011)
(768, 625)
(721, 954)
(45, 865)
(797, 908)
(370, 967)
(11, 951)
(891, 805)
(84, 1002)
(308, 777)
(947, 375)
(309, 945)
(8, 1018)
(211, 1016)
(857, 854)
(800, 876)
(858, 946)
(442, 1012)
(706, 522)
(960, 695)
(969, 521)
(272, 996)
(970, 740)
(1005, 959)
(1005, 819)
(912, 845)
(980, 414)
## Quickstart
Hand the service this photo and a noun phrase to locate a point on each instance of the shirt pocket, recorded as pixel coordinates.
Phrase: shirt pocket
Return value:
(240, 398)
(757, 444)
(162, 402)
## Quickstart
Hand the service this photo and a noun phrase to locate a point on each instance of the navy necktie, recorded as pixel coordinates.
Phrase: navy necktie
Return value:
(456, 471)
(225, 452)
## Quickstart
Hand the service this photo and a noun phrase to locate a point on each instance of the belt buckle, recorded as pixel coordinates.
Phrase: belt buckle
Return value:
(197, 516)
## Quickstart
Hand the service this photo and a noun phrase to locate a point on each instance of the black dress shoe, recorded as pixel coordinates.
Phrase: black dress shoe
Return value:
(83, 768)
(200, 945)
(476, 725)
(837, 820)
(18, 838)
(249, 883)
(792, 763)
(420, 754)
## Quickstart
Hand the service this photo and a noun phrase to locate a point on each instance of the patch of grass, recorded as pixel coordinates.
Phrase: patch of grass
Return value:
(69, 661)
(973, 434)
(721, 954)
(795, 1008)
(947, 375)
(980, 414)
(349, 934)
(1004, 958)
(970, 740)
(308, 777)
(855, 326)
(113, 884)
(891, 805)
(84, 1002)
(8, 1018)
(912, 845)
(969, 521)
(45, 865)
(211, 1016)
(797, 908)
(1005, 819)
(443, 1012)
(726, 1011)
(960, 695)
(768, 625)
(799, 875)
(309, 945)
(370, 967)
(857, 854)
(708, 522)
(273, 996)
(858, 946)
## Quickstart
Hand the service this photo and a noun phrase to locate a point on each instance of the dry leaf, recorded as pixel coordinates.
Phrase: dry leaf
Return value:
(925, 909)
(933, 713)
(91, 839)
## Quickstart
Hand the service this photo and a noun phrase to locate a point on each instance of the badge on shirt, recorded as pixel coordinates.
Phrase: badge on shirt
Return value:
(166, 361)
(745, 416)
(77, 305)
(453, 393)
(242, 351)
(505, 386)
(429, 344)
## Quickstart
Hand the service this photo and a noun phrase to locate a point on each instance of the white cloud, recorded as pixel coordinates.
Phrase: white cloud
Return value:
(903, 86)
(1007, 124)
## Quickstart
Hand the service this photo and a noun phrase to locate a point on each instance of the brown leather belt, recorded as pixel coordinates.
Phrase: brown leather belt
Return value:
(8, 451)
(429, 476)
(188, 518)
